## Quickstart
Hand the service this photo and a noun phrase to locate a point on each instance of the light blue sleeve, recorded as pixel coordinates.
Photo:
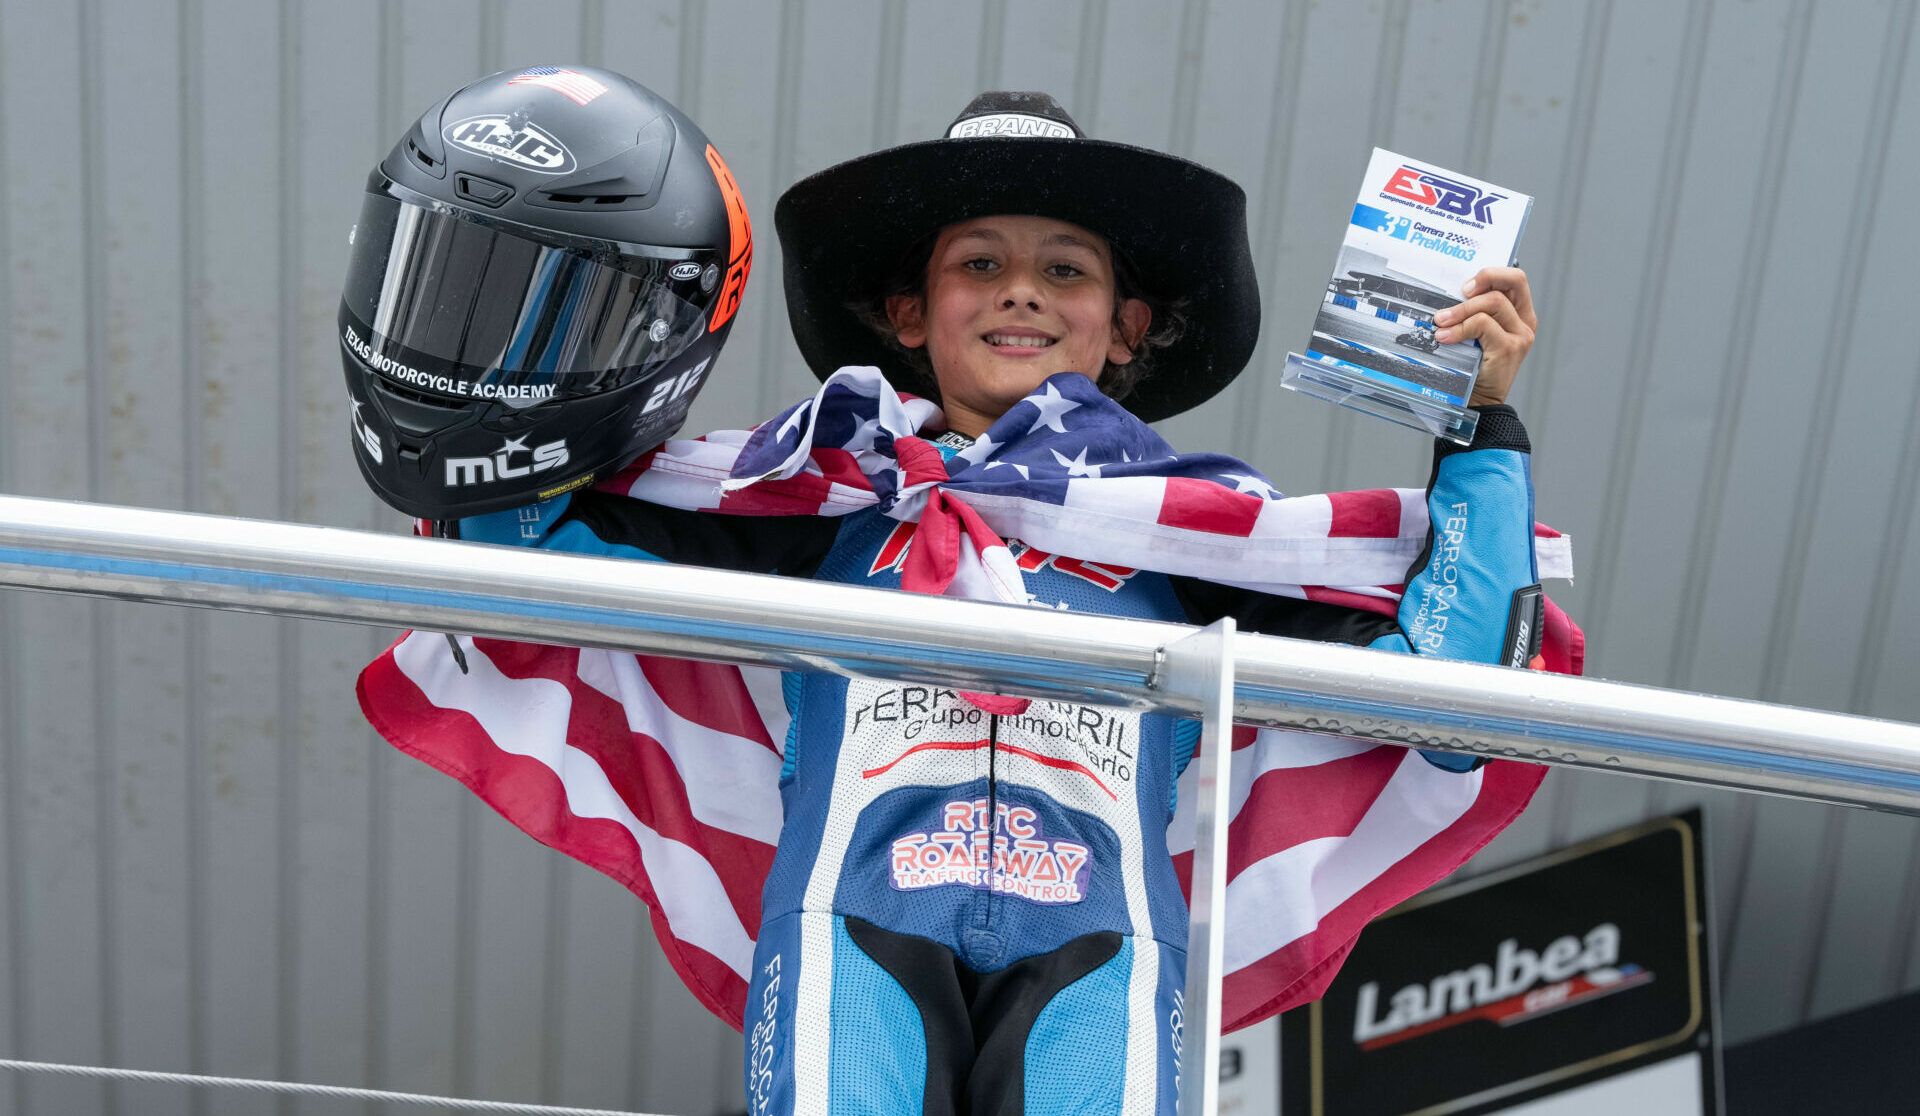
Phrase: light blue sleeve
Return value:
(544, 525)
(1480, 554)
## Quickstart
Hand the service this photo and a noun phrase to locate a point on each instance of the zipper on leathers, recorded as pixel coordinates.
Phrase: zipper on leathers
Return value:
(992, 820)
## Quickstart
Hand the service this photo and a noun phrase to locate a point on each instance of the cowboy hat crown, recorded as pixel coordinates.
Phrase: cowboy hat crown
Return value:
(1181, 226)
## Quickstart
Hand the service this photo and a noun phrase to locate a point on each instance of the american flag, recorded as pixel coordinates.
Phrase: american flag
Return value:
(578, 87)
(663, 773)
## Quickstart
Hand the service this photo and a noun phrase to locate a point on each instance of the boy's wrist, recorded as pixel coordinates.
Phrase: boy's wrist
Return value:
(1499, 428)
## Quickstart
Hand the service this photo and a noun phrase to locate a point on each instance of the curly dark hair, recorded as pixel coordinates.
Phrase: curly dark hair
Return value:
(914, 372)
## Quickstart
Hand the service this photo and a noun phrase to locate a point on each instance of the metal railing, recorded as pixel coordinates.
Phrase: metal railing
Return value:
(325, 573)
(359, 577)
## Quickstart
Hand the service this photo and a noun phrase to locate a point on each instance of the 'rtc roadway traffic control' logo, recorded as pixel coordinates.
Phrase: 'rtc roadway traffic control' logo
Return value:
(991, 846)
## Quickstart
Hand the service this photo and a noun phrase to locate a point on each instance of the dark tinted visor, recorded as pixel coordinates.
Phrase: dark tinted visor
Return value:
(455, 307)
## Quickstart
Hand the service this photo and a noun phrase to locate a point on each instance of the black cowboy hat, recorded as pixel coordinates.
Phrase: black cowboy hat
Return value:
(1182, 226)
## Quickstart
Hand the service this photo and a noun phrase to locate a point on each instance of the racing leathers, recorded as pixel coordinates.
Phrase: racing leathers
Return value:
(971, 911)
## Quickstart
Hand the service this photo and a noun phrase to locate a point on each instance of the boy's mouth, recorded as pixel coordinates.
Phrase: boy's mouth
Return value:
(1018, 340)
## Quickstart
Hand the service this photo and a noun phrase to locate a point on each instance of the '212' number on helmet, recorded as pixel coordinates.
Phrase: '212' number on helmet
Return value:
(668, 391)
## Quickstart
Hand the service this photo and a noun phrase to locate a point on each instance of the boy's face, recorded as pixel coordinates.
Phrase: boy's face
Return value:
(1009, 302)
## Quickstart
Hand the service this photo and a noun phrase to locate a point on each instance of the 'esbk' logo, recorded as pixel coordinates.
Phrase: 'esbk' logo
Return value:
(1444, 194)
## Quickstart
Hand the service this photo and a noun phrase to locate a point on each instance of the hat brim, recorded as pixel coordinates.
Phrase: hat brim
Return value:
(1183, 227)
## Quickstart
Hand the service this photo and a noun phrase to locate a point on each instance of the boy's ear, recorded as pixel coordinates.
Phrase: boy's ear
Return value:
(908, 313)
(1130, 325)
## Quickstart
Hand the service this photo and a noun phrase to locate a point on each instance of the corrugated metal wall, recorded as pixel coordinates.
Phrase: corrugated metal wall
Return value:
(210, 863)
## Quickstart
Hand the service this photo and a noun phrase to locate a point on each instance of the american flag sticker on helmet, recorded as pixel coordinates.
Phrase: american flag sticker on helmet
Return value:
(577, 87)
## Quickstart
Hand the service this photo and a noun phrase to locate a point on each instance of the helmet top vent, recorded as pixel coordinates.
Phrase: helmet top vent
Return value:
(426, 162)
(588, 199)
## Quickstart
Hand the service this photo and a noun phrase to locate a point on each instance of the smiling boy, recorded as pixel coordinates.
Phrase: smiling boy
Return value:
(973, 905)
(992, 270)
(1009, 301)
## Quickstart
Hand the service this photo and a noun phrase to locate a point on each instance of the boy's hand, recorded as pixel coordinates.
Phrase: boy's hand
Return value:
(1498, 312)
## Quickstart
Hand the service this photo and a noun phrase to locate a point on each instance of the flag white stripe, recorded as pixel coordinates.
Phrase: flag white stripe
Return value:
(731, 782)
(763, 686)
(1283, 897)
(528, 717)
(1413, 510)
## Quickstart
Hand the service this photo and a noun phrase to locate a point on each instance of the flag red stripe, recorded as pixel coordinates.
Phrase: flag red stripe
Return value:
(1384, 606)
(801, 494)
(841, 467)
(710, 695)
(1370, 514)
(1202, 505)
(1563, 645)
(920, 461)
(1292, 805)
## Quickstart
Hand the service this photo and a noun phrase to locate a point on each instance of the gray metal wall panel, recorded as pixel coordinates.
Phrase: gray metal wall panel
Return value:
(221, 868)
(1662, 488)
(1867, 377)
(63, 935)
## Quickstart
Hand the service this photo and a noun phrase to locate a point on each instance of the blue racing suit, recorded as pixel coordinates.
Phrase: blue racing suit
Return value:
(978, 912)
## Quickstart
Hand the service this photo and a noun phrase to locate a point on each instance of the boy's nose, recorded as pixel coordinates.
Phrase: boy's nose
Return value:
(1020, 290)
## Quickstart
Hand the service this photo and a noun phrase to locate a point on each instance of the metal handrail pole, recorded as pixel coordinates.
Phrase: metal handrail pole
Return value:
(1201, 665)
(1579, 722)
(387, 580)
(325, 573)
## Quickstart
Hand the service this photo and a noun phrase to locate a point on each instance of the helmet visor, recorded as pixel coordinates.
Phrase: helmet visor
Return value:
(451, 306)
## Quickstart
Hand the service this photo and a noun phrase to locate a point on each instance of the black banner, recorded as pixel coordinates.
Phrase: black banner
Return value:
(1530, 980)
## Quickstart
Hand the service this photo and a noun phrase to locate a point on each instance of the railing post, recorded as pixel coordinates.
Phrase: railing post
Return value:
(1200, 666)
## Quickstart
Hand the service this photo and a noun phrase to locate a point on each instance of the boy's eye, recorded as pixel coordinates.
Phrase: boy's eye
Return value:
(1064, 271)
(978, 263)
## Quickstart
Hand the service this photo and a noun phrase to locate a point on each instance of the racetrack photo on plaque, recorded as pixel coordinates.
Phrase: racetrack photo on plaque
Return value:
(1415, 236)
(1380, 319)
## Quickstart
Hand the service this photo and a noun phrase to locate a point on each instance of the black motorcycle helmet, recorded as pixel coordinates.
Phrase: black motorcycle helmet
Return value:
(543, 272)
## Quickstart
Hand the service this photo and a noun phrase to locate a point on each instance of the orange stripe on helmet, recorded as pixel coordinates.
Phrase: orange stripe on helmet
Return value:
(740, 243)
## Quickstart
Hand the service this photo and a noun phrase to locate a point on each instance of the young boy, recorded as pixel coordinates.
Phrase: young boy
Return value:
(973, 905)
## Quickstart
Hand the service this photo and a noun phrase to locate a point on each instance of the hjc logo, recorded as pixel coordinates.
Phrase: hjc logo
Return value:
(462, 471)
(511, 139)
(1444, 194)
